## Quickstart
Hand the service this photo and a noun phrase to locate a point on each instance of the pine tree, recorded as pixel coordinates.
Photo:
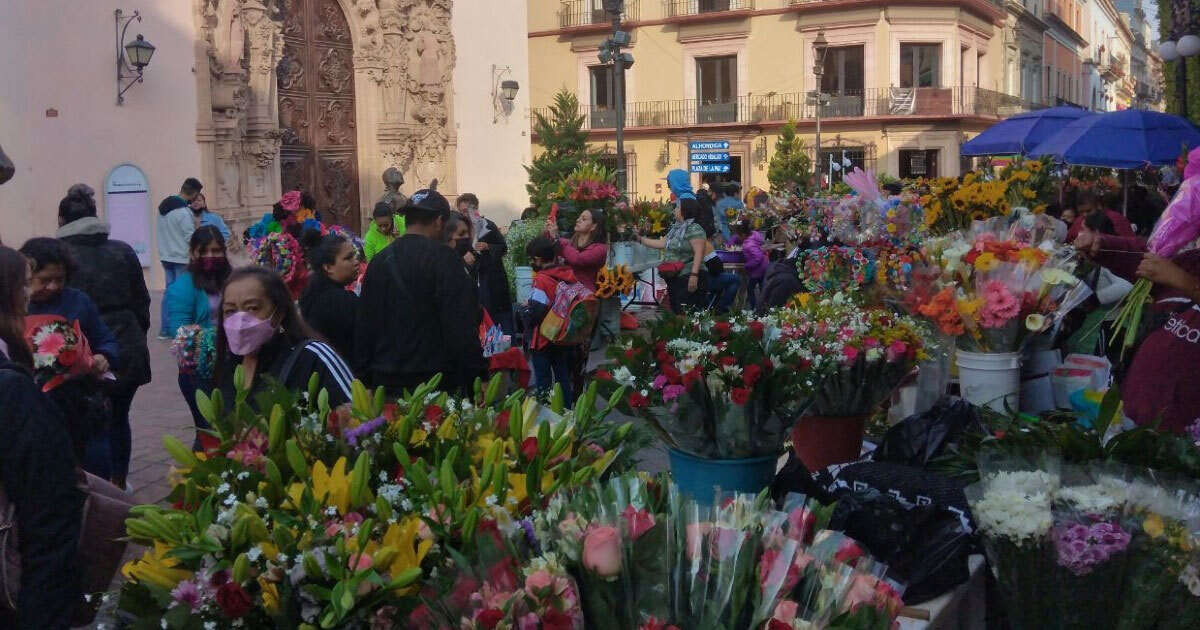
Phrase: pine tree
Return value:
(790, 168)
(564, 139)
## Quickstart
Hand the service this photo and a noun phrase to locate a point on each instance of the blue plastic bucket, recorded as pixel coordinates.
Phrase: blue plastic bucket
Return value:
(697, 477)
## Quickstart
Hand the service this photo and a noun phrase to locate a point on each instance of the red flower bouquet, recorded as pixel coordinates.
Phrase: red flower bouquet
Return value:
(60, 350)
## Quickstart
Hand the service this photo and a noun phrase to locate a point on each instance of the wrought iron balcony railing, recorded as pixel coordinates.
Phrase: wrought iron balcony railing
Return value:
(576, 13)
(683, 8)
(778, 108)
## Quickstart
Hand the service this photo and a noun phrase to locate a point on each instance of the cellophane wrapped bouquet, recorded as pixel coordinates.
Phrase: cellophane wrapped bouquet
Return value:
(1161, 586)
(879, 349)
(720, 387)
(1090, 545)
(60, 350)
(1011, 506)
(336, 517)
(994, 287)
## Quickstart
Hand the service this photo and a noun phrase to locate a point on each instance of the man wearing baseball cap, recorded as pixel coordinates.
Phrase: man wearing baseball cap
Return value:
(419, 313)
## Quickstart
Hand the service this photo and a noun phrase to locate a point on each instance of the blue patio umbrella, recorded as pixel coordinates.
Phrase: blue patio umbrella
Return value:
(1021, 133)
(1129, 138)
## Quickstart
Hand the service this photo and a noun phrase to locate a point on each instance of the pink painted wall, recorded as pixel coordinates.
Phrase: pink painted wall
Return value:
(61, 55)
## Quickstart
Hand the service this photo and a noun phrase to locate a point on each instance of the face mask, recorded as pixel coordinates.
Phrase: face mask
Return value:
(212, 265)
(462, 246)
(247, 333)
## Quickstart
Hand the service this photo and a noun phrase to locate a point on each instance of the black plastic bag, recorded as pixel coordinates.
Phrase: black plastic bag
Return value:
(921, 437)
(795, 477)
(925, 547)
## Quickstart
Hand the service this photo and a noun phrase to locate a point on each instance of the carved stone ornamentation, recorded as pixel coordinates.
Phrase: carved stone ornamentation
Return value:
(333, 23)
(336, 121)
(293, 23)
(337, 177)
(291, 69)
(335, 71)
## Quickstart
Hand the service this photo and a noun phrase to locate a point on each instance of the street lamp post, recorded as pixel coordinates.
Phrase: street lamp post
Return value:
(610, 50)
(820, 46)
(1184, 45)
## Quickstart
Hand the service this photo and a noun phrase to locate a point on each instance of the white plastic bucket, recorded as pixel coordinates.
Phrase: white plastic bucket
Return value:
(991, 379)
(523, 279)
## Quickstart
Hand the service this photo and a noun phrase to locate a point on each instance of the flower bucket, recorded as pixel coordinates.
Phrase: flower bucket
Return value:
(697, 477)
(990, 379)
(821, 442)
(622, 254)
(523, 280)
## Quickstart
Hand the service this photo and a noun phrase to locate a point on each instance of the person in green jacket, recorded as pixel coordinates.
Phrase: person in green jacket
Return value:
(386, 226)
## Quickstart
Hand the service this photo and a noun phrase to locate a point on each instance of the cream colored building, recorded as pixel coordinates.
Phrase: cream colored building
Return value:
(908, 81)
(256, 97)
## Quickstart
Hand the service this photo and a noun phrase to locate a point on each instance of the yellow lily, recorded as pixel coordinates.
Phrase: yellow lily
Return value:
(449, 428)
(156, 568)
(270, 595)
(331, 487)
(401, 537)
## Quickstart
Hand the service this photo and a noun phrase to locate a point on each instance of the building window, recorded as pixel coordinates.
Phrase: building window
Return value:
(609, 161)
(604, 97)
(835, 163)
(918, 163)
(920, 65)
(843, 70)
(716, 89)
(712, 6)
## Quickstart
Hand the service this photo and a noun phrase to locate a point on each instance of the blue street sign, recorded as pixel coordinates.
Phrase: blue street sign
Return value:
(710, 145)
(710, 168)
(710, 157)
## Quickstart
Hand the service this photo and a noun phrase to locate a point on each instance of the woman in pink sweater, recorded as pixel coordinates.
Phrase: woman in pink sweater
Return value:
(587, 249)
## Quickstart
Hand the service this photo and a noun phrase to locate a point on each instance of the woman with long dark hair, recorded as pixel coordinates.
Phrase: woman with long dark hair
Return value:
(109, 272)
(326, 305)
(262, 332)
(194, 300)
(37, 472)
(587, 249)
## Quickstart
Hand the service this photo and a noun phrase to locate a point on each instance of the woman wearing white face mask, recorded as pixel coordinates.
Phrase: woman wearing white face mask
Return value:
(263, 333)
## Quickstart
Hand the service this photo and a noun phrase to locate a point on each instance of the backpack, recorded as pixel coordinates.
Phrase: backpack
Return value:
(571, 317)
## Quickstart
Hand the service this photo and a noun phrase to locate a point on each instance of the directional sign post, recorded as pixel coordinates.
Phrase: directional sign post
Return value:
(709, 156)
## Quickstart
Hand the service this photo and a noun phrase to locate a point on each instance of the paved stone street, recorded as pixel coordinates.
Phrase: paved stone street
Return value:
(158, 410)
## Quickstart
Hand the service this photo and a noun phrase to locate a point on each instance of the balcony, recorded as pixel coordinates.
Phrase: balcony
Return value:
(582, 14)
(779, 108)
(694, 8)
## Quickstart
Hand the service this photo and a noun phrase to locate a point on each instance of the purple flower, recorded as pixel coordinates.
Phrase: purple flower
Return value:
(1193, 431)
(530, 535)
(671, 392)
(188, 594)
(659, 381)
(1081, 548)
(364, 429)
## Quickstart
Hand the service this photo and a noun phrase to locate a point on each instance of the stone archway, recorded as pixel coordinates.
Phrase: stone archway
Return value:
(403, 57)
(316, 108)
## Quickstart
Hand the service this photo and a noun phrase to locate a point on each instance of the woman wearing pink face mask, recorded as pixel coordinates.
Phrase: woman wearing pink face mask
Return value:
(262, 332)
(194, 300)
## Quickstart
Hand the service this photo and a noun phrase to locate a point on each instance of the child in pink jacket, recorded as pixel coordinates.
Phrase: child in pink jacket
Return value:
(756, 258)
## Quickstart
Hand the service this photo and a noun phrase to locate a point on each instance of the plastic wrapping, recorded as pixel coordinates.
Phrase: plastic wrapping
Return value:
(919, 439)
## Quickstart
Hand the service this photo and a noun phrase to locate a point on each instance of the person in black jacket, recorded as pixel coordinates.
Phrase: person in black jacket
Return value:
(490, 249)
(262, 332)
(109, 272)
(37, 472)
(419, 308)
(326, 305)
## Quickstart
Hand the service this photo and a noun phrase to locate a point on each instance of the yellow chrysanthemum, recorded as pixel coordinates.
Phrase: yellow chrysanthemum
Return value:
(987, 261)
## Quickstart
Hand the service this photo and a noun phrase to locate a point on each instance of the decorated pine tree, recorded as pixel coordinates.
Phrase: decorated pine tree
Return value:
(564, 139)
(790, 167)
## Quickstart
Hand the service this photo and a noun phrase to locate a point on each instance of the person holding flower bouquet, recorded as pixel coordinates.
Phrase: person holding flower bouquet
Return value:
(194, 300)
(80, 399)
(37, 473)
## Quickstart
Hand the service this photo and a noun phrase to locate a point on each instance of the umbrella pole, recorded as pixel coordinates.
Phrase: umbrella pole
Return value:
(1125, 201)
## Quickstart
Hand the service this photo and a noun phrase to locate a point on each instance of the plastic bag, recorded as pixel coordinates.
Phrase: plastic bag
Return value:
(924, 547)
(919, 439)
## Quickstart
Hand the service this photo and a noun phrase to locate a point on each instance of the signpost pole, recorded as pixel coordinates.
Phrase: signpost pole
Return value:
(619, 93)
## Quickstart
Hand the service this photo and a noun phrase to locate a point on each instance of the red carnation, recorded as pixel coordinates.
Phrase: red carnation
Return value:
(529, 448)
(723, 329)
(728, 361)
(433, 415)
(234, 601)
(692, 377)
(630, 354)
(555, 620)
(768, 365)
(671, 373)
(391, 411)
(750, 374)
(490, 618)
(502, 422)
(68, 357)
(739, 395)
(776, 624)
(758, 329)
(638, 401)
(603, 375)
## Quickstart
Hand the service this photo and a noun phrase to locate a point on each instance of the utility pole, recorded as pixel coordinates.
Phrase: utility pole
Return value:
(820, 46)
